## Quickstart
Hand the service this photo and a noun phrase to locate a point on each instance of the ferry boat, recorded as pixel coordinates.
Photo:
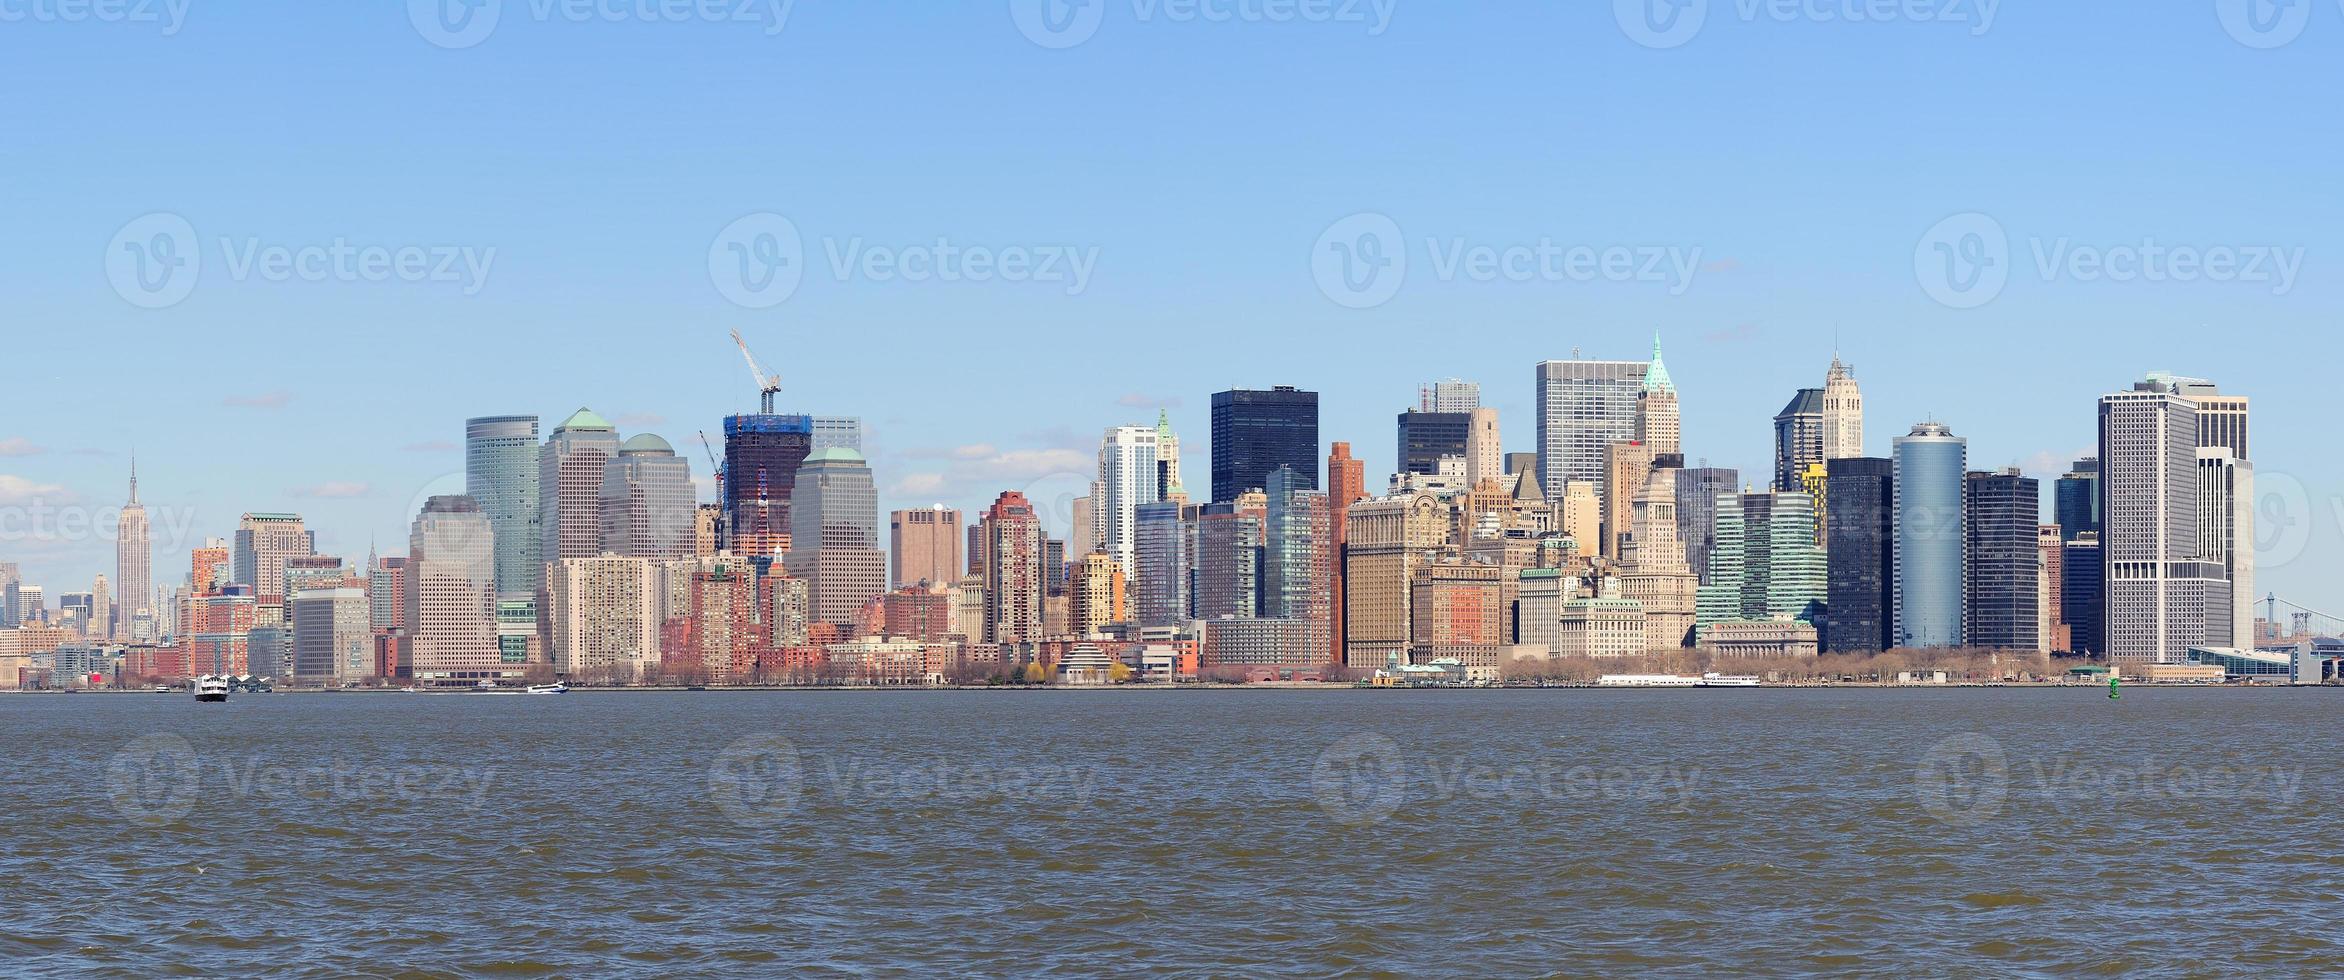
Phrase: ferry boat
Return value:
(556, 687)
(211, 689)
(1714, 679)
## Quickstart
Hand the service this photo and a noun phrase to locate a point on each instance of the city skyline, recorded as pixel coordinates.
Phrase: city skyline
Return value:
(1051, 487)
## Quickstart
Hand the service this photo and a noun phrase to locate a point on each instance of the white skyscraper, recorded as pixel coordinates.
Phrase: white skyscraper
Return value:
(1843, 413)
(1583, 408)
(2162, 594)
(1453, 396)
(2226, 530)
(1128, 477)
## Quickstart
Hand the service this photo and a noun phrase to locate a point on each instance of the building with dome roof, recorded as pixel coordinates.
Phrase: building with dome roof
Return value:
(647, 500)
(569, 486)
(834, 535)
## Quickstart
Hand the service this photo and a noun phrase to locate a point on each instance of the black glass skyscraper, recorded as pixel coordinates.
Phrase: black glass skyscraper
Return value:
(1425, 437)
(2075, 499)
(2005, 561)
(1859, 522)
(1255, 432)
(1697, 491)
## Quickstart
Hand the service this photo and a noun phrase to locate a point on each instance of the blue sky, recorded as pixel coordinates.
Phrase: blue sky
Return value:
(1794, 164)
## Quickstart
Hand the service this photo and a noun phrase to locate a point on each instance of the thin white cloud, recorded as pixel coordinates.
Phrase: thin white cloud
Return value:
(18, 490)
(1139, 400)
(20, 446)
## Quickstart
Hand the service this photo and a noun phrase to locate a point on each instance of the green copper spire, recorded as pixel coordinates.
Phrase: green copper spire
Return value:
(1656, 377)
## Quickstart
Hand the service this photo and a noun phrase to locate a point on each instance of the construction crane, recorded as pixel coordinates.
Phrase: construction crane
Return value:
(767, 384)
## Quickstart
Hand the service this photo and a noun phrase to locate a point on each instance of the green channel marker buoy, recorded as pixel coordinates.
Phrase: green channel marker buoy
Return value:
(2113, 681)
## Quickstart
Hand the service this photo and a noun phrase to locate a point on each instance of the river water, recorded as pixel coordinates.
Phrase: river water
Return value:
(1209, 832)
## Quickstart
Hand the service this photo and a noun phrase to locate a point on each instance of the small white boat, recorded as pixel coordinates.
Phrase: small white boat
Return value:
(210, 689)
(1714, 679)
(556, 687)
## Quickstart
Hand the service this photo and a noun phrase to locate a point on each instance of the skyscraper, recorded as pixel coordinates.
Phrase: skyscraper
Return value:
(837, 432)
(332, 641)
(1228, 563)
(1798, 438)
(1255, 432)
(134, 560)
(1932, 466)
(1626, 467)
(1657, 578)
(1128, 479)
(1166, 547)
(606, 614)
(924, 546)
(263, 542)
(1346, 485)
(1388, 538)
(1697, 492)
(2003, 522)
(648, 502)
(1657, 422)
(1168, 485)
(1452, 395)
(500, 472)
(2075, 499)
(1843, 412)
(2080, 593)
(570, 471)
(451, 595)
(834, 535)
(1426, 437)
(2226, 528)
(761, 458)
(2158, 585)
(1766, 564)
(1861, 553)
(1583, 408)
(1298, 558)
(1013, 570)
(1485, 454)
(1096, 594)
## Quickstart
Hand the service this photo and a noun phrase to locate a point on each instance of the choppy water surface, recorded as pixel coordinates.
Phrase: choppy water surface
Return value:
(1249, 832)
